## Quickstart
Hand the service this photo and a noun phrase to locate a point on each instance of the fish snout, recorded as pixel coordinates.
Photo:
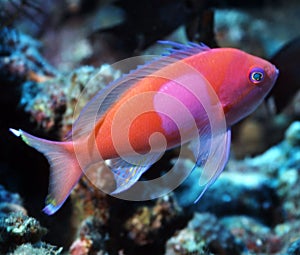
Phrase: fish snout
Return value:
(276, 75)
(272, 72)
(276, 71)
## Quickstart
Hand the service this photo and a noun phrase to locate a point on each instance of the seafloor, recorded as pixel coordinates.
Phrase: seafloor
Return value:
(49, 50)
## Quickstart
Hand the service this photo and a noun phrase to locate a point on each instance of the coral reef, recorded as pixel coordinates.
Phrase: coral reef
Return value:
(203, 235)
(262, 188)
(18, 229)
(186, 242)
(256, 237)
(147, 223)
(280, 164)
(253, 208)
(20, 58)
(238, 193)
(10, 202)
(294, 248)
(52, 103)
(19, 233)
(92, 238)
(37, 249)
(142, 228)
(88, 201)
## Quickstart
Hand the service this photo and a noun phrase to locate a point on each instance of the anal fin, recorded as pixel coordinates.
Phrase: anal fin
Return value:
(127, 172)
(212, 158)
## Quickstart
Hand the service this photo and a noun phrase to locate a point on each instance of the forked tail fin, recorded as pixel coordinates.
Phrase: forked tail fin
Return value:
(64, 168)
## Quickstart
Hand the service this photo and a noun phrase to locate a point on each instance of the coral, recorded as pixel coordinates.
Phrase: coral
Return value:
(20, 59)
(294, 248)
(52, 103)
(237, 192)
(292, 135)
(92, 238)
(203, 235)
(278, 167)
(257, 238)
(90, 216)
(147, 223)
(264, 187)
(89, 201)
(81, 246)
(288, 232)
(280, 164)
(36, 249)
(10, 202)
(104, 231)
(9, 197)
(19, 233)
(17, 228)
(185, 242)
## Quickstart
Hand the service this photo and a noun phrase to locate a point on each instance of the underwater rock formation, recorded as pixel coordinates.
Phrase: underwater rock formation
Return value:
(52, 103)
(17, 229)
(253, 196)
(37, 249)
(20, 58)
(294, 248)
(255, 237)
(91, 207)
(264, 189)
(147, 223)
(92, 238)
(10, 202)
(203, 235)
(134, 229)
(19, 233)
(280, 165)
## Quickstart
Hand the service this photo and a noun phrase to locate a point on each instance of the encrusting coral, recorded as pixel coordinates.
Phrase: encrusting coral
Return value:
(147, 223)
(52, 103)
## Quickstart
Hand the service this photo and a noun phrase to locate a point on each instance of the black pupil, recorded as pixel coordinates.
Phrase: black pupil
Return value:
(257, 76)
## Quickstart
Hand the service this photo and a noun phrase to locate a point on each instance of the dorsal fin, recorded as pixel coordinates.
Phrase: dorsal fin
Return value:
(95, 109)
(105, 98)
(181, 51)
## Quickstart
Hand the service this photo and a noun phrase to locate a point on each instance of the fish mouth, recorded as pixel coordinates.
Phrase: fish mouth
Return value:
(272, 72)
(276, 71)
(276, 75)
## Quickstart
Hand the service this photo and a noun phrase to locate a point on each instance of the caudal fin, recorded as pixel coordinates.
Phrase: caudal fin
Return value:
(64, 168)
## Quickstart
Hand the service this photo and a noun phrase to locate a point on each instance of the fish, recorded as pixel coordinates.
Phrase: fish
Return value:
(192, 95)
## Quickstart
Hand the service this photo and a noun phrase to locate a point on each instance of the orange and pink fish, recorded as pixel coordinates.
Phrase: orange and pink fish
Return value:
(239, 80)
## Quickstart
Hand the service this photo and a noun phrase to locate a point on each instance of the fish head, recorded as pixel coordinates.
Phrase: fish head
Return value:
(248, 81)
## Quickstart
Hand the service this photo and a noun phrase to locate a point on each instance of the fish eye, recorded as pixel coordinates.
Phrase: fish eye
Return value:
(257, 75)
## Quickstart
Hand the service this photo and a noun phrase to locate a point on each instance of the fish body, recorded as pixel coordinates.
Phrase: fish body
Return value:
(156, 112)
